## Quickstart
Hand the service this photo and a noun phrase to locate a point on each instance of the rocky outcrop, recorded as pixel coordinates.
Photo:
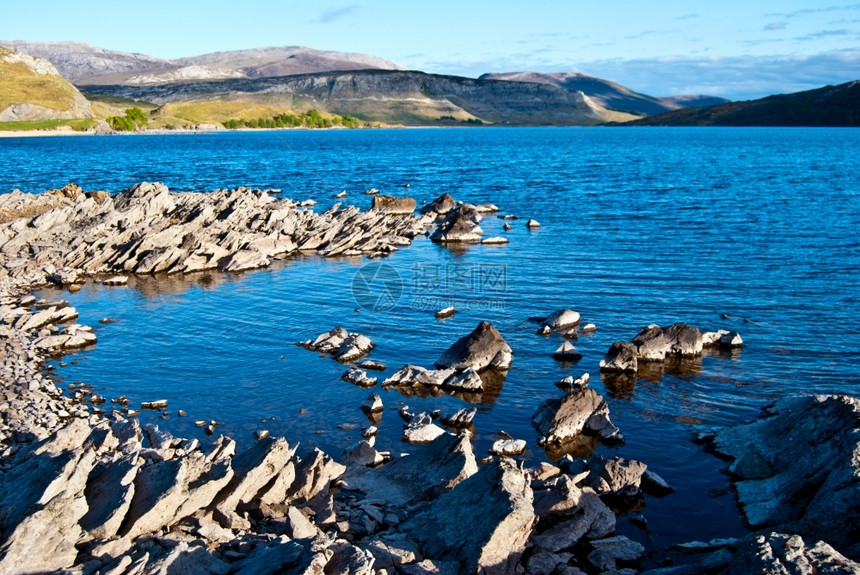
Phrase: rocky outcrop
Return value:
(656, 344)
(558, 421)
(148, 229)
(484, 348)
(342, 346)
(483, 523)
(460, 226)
(797, 468)
(440, 206)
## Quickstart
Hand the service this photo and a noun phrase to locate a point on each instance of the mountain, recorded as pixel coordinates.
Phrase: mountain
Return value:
(88, 65)
(694, 101)
(607, 94)
(32, 89)
(390, 96)
(827, 106)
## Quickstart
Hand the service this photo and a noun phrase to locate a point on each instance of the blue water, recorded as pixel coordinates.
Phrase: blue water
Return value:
(638, 226)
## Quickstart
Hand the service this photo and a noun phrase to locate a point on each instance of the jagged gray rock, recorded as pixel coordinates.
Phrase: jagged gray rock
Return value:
(813, 489)
(484, 522)
(562, 419)
(426, 472)
(620, 358)
(460, 226)
(484, 348)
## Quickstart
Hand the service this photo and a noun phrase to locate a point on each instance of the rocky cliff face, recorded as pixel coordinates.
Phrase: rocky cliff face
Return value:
(32, 89)
(373, 94)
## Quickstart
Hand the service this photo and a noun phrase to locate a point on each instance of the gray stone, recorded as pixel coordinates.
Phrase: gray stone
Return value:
(559, 420)
(798, 466)
(359, 377)
(459, 226)
(655, 343)
(508, 447)
(567, 352)
(615, 476)
(440, 206)
(425, 473)
(621, 358)
(421, 429)
(613, 549)
(314, 476)
(484, 522)
(467, 381)
(482, 349)
(562, 320)
(393, 205)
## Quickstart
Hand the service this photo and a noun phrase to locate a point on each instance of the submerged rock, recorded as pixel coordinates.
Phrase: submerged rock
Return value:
(482, 349)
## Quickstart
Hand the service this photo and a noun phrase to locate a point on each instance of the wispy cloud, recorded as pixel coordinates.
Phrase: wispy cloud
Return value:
(808, 11)
(824, 34)
(687, 17)
(774, 26)
(335, 14)
(737, 78)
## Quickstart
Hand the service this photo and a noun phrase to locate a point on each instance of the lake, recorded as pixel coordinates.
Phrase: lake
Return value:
(748, 229)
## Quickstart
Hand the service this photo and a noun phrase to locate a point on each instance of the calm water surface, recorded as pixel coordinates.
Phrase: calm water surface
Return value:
(746, 229)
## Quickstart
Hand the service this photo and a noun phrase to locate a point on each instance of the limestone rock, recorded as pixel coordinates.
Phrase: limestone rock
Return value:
(393, 205)
(484, 522)
(459, 226)
(621, 358)
(482, 349)
(562, 320)
(440, 206)
(558, 420)
(425, 473)
(798, 464)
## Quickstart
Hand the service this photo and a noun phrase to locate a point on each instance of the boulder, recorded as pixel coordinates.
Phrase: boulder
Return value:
(562, 320)
(372, 404)
(482, 349)
(722, 338)
(467, 381)
(461, 419)
(421, 429)
(567, 352)
(621, 358)
(440, 206)
(362, 453)
(393, 205)
(424, 474)
(583, 411)
(412, 375)
(655, 343)
(613, 549)
(615, 476)
(353, 347)
(508, 447)
(484, 522)
(445, 313)
(532, 224)
(359, 377)
(459, 226)
(798, 464)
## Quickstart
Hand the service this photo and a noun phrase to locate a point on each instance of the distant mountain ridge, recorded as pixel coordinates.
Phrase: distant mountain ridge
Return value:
(827, 106)
(84, 64)
(390, 96)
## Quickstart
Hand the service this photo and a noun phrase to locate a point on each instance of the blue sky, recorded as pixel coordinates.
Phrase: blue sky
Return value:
(731, 48)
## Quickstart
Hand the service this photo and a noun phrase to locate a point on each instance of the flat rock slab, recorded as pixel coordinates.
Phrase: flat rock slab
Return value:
(484, 522)
(798, 466)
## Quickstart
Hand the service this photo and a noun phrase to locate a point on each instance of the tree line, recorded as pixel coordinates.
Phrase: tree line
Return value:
(309, 119)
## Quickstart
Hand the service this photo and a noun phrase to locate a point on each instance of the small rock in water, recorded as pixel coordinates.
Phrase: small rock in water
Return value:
(181, 413)
(372, 403)
(341, 194)
(116, 281)
(261, 434)
(508, 227)
(358, 377)
(461, 419)
(370, 431)
(371, 192)
(445, 313)
(532, 224)
(158, 404)
(494, 241)
(567, 352)
(588, 328)
(372, 365)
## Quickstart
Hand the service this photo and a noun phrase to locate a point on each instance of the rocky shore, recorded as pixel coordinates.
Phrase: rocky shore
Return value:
(85, 488)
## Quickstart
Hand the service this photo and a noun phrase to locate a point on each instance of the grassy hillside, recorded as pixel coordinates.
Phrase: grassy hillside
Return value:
(828, 106)
(21, 84)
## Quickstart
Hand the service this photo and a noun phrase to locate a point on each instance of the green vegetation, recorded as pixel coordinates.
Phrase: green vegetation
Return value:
(76, 125)
(310, 119)
(469, 121)
(134, 118)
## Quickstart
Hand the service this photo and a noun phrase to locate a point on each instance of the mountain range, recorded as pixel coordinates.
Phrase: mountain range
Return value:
(260, 83)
